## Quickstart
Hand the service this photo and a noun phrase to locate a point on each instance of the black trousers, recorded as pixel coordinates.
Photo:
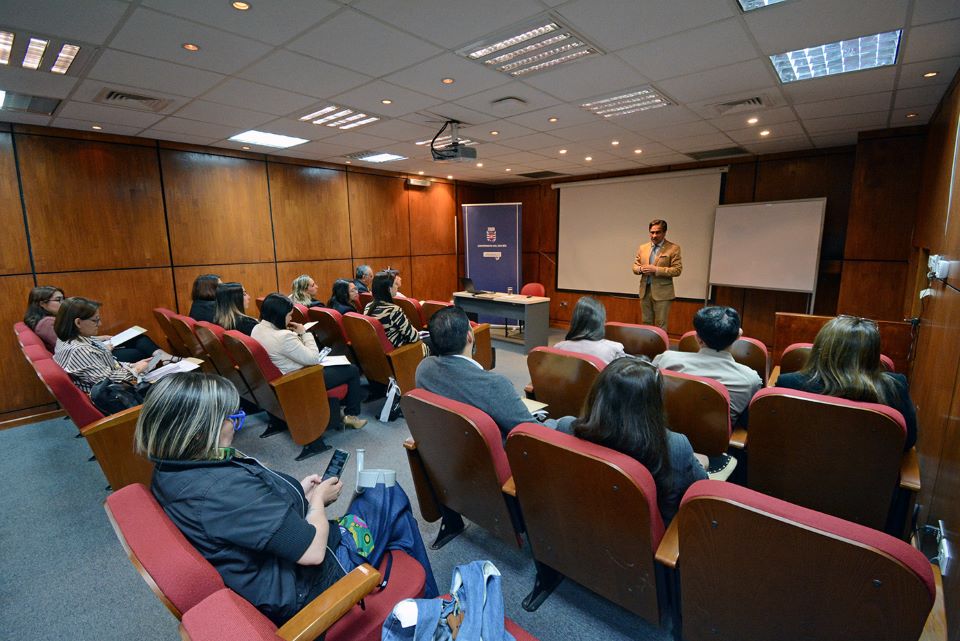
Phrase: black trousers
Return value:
(135, 349)
(349, 375)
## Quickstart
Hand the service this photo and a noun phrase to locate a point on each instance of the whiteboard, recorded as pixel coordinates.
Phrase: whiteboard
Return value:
(603, 222)
(772, 245)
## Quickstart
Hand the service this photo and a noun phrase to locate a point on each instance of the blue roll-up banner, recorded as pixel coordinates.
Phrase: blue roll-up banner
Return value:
(492, 236)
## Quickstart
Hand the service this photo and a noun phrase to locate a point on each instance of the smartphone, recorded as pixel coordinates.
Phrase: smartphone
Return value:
(153, 363)
(324, 352)
(335, 466)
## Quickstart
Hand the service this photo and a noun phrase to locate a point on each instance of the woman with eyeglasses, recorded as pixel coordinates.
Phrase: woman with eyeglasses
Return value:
(344, 298)
(232, 303)
(42, 305)
(845, 362)
(624, 411)
(265, 532)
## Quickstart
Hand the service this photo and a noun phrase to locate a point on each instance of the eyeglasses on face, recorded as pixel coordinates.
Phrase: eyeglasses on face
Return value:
(95, 320)
(237, 420)
(55, 299)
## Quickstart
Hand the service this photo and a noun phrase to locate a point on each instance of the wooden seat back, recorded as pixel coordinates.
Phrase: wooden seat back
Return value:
(211, 338)
(590, 513)
(795, 356)
(562, 379)
(828, 454)
(300, 313)
(365, 298)
(752, 353)
(111, 439)
(71, 398)
(688, 342)
(370, 344)
(754, 568)
(699, 408)
(177, 346)
(184, 326)
(431, 307)
(638, 340)
(328, 331)
(411, 309)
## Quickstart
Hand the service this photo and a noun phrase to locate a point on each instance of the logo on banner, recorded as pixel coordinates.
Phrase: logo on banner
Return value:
(491, 234)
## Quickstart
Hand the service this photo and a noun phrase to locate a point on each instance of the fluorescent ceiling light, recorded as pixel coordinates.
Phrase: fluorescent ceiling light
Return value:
(642, 99)
(339, 117)
(865, 52)
(265, 139)
(31, 60)
(6, 45)
(65, 58)
(3, 96)
(529, 48)
(376, 156)
(444, 141)
(750, 5)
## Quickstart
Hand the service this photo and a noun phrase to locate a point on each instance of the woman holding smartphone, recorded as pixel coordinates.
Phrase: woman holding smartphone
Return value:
(291, 347)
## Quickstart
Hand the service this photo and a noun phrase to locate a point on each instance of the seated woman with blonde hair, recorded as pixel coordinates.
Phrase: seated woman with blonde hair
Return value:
(845, 362)
(265, 532)
(586, 333)
(304, 291)
(232, 302)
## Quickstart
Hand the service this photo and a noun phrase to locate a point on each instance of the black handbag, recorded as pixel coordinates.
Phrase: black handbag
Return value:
(111, 397)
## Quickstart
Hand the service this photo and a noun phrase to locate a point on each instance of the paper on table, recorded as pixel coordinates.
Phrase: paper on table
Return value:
(185, 365)
(126, 335)
(335, 360)
(532, 405)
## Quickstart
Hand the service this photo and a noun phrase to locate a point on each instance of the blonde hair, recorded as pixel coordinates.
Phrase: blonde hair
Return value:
(299, 290)
(845, 361)
(182, 417)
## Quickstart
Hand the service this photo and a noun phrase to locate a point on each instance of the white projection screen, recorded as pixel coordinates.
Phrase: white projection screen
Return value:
(602, 222)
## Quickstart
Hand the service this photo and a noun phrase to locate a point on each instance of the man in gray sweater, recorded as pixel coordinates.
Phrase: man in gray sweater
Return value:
(455, 375)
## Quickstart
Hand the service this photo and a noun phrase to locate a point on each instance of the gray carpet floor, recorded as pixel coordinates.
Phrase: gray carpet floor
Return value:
(63, 574)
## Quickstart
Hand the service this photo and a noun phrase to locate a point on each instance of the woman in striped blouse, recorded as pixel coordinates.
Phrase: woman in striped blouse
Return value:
(398, 329)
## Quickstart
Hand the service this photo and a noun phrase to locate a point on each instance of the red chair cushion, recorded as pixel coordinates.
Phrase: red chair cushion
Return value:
(74, 402)
(533, 289)
(226, 615)
(518, 633)
(260, 356)
(339, 392)
(36, 353)
(179, 571)
(407, 580)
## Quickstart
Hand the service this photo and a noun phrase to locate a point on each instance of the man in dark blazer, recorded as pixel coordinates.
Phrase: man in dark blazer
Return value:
(657, 263)
(364, 277)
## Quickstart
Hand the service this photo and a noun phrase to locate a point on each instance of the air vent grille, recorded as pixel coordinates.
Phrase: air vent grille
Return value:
(710, 154)
(128, 100)
(539, 175)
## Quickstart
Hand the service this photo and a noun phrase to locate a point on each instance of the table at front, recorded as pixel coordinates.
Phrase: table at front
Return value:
(534, 311)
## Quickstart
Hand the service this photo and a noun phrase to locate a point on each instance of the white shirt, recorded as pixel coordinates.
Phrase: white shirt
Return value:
(741, 381)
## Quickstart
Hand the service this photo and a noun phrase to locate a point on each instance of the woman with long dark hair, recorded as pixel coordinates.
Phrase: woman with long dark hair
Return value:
(845, 362)
(624, 411)
(586, 333)
(42, 306)
(345, 298)
(232, 302)
(398, 329)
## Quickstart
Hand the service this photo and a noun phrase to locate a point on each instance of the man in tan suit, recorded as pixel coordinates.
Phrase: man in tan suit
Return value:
(657, 263)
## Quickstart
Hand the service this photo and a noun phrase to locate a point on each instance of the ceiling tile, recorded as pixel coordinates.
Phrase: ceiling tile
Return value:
(175, 137)
(299, 129)
(919, 96)
(147, 73)
(369, 97)
(847, 84)
(935, 11)
(912, 75)
(274, 22)
(898, 117)
(795, 25)
(712, 46)
(492, 150)
(932, 41)
(35, 83)
(662, 160)
(699, 143)
(765, 117)
(589, 78)
(91, 21)
(656, 118)
(358, 140)
(354, 41)
(438, 114)
(508, 131)
(841, 106)
(161, 36)
(302, 74)
(742, 77)
(107, 128)
(695, 128)
(320, 149)
(520, 157)
(600, 130)
(469, 77)
(188, 129)
(103, 114)
(857, 122)
(26, 119)
(534, 141)
(259, 97)
(840, 139)
(450, 23)
(399, 130)
(224, 114)
(566, 115)
(779, 131)
(776, 146)
(614, 24)
(484, 101)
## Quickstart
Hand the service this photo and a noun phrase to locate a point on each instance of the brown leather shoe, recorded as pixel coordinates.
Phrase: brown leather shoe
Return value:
(354, 421)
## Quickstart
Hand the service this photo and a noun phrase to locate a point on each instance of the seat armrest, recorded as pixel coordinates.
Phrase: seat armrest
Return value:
(318, 615)
(404, 361)
(910, 471)
(484, 351)
(738, 438)
(303, 397)
(107, 422)
(669, 549)
(528, 392)
(111, 441)
(410, 444)
(510, 488)
(774, 375)
(426, 497)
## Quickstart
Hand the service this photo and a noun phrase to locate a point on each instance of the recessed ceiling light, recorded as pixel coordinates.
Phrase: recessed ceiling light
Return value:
(386, 101)
(240, 6)
(562, 151)
(638, 151)
(34, 54)
(339, 117)
(267, 139)
(420, 172)
(614, 142)
(753, 121)
(508, 169)
(552, 119)
(6, 45)
(189, 46)
(931, 74)
(97, 127)
(447, 81)
(844, 56)
(245, 147)
(449, 177)
(479, 164)
(765, 132)
(65, 58)
(640, 99)
(750, 5)
(349, 162)
(494, 133)
(911, 115)
(588, 158)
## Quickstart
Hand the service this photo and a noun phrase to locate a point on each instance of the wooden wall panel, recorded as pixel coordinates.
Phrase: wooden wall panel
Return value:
(873, 289)
(400, 263)
(549, 221)
(379, 215)
(323, 272)
(21, 387)
(530, 266)
(217, 208)
(938, 159)
(432, 214)
(259, 279)
(886, 183)
(739, 183)
(128, 295)
(311, 220)
(14, 254)
(434, 277)
(531, 214)
(105, 212)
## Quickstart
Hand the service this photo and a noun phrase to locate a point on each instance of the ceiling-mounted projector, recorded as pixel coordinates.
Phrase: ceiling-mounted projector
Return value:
(456, 151)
